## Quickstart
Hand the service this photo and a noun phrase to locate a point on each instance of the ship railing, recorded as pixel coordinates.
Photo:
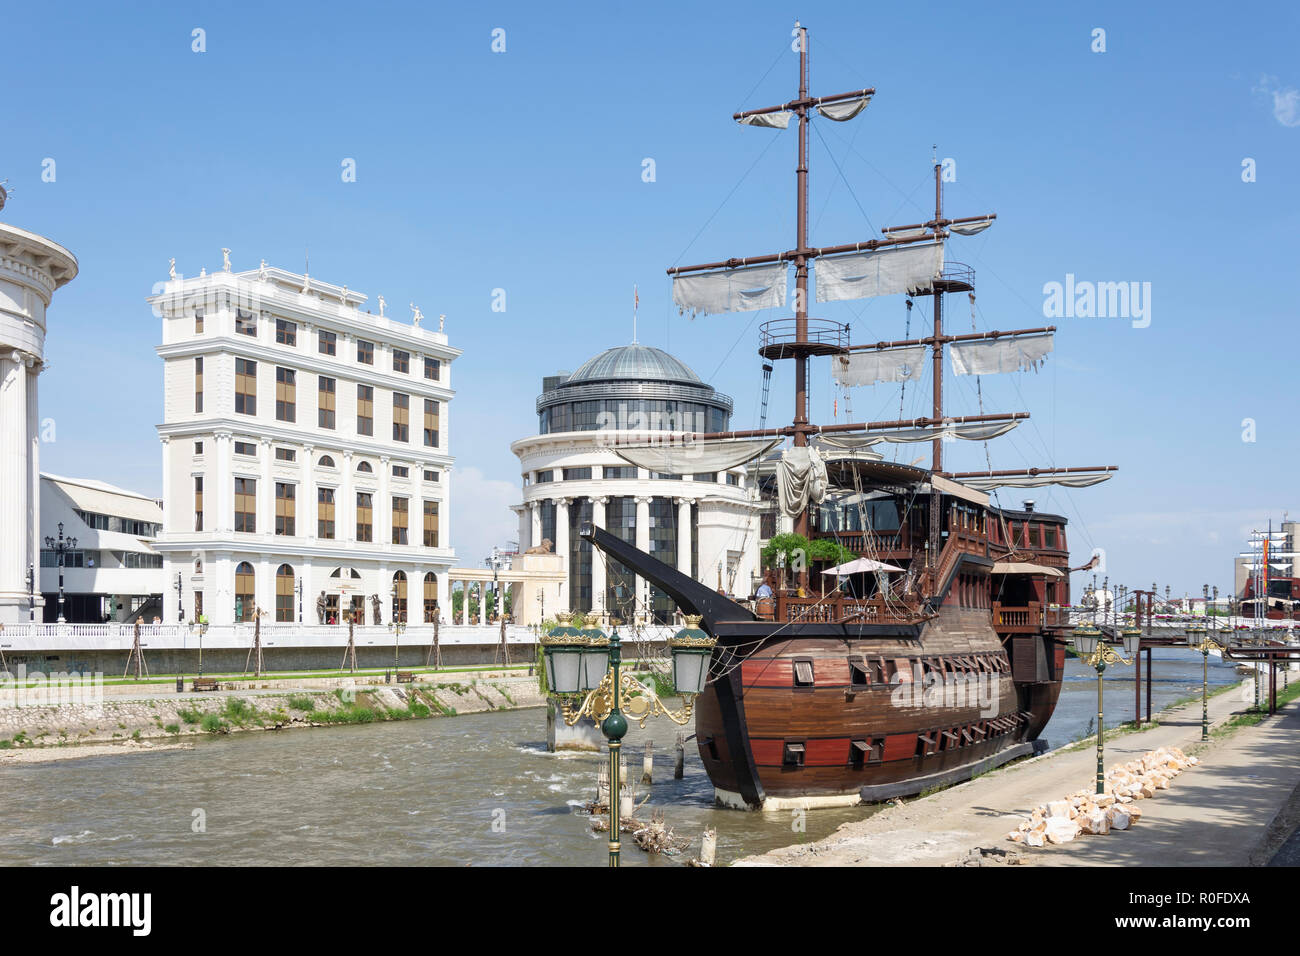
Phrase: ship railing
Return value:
(845, 610)
(1027, 619)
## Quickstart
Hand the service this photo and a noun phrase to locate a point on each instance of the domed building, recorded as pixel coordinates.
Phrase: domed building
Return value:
(706, 524)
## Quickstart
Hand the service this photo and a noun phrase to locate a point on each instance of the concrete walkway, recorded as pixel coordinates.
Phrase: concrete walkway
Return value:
(1238, 790)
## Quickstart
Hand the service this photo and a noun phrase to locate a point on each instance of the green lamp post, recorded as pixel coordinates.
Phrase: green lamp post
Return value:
(587, 662)
(1096, 653)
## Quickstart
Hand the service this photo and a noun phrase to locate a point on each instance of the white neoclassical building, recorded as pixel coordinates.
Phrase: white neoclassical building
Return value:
(31, 269)
(305, 452)
(705, 524)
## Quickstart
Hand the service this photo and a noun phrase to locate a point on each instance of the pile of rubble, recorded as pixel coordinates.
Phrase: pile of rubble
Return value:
(1098, 813)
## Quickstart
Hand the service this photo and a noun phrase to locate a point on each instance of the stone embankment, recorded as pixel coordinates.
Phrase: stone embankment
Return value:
(27, 730)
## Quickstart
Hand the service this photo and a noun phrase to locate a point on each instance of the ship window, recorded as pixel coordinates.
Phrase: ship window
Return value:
(858, 751)
(803, 674)
(859, 672)
(926, 744)
(980, 730)
(1049, 537)
(966, 735)
(794, 754)
(950, 740)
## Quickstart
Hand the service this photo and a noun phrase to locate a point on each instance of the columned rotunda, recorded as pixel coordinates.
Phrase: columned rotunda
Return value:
(31, 268)
(706, 525)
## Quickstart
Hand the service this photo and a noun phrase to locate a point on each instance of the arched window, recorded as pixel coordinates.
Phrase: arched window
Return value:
(399, 597)
(326, 461)
(365, 469)
(244, 592)
(430, 598)
(284, 593)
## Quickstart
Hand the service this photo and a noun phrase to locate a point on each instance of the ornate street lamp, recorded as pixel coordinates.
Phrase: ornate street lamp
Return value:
(61, 548)
(588, 662)
(397, 627)
(1199, 639)
(1096, 653)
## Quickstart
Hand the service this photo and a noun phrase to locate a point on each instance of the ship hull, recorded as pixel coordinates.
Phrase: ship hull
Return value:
(883, 716)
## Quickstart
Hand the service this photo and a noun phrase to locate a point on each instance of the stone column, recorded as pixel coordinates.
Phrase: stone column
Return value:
(307, 500)
(483, 587)
(34, 369)
(266, 493)
(598, 569)
(168, 503)
(345, 504)
(384, 507)
(222, 508)
(684, 536)
(643, 544)
(308, 593)
(15, 485)
(264, 587)
(535, 535)
(562, 547)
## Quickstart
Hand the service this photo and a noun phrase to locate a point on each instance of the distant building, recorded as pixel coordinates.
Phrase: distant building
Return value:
(1282, 550)
(31, 269)
(705, 525)
(113, 573)
(305, 452)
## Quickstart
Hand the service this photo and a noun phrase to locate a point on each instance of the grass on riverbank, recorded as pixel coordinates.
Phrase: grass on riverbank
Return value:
(291, 675)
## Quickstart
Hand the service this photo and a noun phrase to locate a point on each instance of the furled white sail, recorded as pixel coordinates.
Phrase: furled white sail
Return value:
(879, 365)
(860, 275)
(800, 480)
(970, 228)
(914, 233)
(778, 120)
(970, 431)
(1009, 354)
(692, 457)
(1080, 480)
(731, 290)
(844, 110)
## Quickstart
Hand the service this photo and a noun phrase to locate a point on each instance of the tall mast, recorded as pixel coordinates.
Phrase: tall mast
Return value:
(936, 446)
(801, 268)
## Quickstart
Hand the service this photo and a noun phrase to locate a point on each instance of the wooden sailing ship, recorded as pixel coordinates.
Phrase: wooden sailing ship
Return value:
(945, 657)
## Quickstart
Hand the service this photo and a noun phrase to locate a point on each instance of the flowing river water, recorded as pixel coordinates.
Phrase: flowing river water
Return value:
(478, 789)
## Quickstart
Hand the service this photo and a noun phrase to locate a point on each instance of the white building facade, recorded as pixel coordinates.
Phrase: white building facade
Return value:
(305, 453)
(112, 574)
(705, 525)
(31, 269)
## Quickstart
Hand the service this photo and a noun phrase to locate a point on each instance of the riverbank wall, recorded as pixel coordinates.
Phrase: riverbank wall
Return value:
(318, 702)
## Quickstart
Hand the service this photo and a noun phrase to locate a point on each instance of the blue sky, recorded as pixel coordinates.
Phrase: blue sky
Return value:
(522, 170)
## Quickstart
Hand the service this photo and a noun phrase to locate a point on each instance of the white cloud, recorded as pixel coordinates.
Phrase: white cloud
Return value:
(1286, 100)
(481, 517)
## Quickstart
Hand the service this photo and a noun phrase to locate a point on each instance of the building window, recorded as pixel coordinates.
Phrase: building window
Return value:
(365, 517)
(576, 474)
(706, 476)
(663, 545)
(245, 386)
(198, 385)
(664, 476)
(619, 471)
(286, 333)
(401, 471)
(400, 508)
(284, 508)
(733, 479)
(245, 505)
(326, 461)
(431, 524)
(246, 448)
(545, 476)
(401, 417)
(430, 597)
(198, 321)
(245, 323)
(286, 395)
(198, 605)
(399, 597)
(430, 423)
(327, 343)
(430, 475)
(286, 454)
(365, 410)
(363, 468)
(198, 504)
(244, 592)
(325, 402)
(432, 369)
(325, 512)
(198, 448)
(365, 352)
(284, 594)
(401, 361)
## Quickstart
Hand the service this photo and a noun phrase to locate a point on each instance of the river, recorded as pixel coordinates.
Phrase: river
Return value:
(478, 789)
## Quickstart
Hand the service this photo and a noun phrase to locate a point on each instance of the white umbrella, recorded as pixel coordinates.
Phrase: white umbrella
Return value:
(860, 566)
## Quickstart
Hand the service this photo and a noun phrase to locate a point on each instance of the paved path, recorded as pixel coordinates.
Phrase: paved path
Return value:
(944, 827)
